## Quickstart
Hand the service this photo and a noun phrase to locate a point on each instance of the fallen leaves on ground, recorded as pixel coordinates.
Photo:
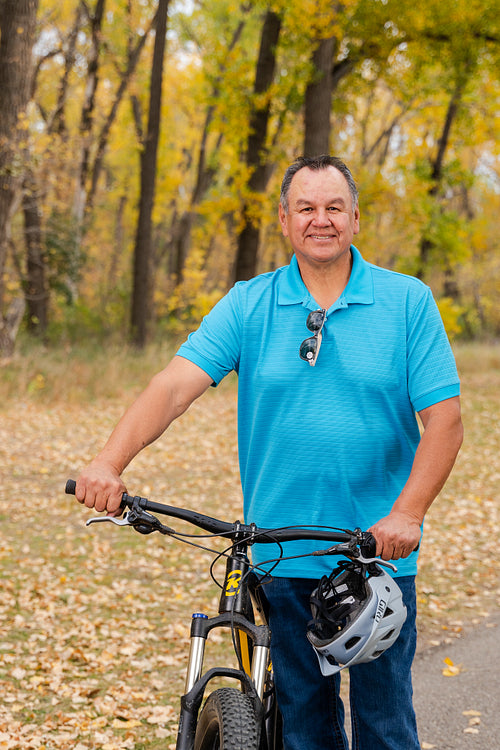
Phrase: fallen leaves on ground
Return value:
(94, 622)
(451, 669)
(474, 721)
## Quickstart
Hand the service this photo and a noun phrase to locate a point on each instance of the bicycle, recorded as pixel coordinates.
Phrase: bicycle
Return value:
(244, 718)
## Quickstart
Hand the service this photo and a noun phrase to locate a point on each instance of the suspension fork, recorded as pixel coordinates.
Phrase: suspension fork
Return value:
(235, 611)
(252, 643)
(196, 682)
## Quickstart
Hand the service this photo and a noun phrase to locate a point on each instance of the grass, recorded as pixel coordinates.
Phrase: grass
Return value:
(79, 372)
(94, 621)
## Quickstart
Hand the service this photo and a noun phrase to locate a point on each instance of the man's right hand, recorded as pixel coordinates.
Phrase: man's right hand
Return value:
(100, 486)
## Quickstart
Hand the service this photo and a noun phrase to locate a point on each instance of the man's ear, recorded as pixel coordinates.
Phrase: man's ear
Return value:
(283, 220)
(356, 220)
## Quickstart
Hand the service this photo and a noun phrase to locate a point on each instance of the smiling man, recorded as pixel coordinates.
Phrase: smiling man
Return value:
(320, 216)
(335, 358)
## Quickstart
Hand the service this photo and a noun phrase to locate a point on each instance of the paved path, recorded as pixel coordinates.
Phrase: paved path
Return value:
(440, 702)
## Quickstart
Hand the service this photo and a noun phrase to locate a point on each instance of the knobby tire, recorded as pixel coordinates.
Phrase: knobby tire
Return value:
(227, 722)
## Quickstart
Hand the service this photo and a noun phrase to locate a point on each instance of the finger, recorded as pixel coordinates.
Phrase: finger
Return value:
(101, 501)
(89, 499)
(80, 493)
(390, 552)
(114, 504)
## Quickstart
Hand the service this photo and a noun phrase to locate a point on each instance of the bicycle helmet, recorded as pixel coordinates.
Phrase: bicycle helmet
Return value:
(358, 613)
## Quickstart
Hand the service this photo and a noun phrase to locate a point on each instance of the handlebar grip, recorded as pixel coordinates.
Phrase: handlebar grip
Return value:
(368, 546)
(70, 487)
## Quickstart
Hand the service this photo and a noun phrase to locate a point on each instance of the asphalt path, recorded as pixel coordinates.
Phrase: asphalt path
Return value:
(460, 711)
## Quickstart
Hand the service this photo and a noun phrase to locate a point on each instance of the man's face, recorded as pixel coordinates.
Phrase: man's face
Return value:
(320, 222)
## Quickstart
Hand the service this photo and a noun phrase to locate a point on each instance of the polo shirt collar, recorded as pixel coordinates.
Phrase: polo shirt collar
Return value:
(359, 289)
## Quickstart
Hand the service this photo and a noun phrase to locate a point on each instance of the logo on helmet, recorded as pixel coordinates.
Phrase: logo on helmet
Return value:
(382, 606)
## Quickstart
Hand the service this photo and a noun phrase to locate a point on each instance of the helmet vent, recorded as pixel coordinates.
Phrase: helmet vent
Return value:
(388, 612)
(352, 642)
(388, 635)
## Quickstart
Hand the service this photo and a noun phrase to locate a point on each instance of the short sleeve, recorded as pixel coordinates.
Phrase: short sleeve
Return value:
(216, 345)
(432, 371)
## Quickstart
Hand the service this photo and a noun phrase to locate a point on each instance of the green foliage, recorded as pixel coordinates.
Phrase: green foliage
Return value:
(445, 233)
(76, 321)
(64, 253)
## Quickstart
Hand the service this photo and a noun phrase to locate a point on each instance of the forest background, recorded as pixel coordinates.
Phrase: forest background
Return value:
(143, 143)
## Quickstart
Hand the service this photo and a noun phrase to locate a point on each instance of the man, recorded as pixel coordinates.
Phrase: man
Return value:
(327, 435)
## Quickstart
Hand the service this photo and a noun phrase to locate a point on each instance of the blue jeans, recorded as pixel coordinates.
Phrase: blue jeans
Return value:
(382, 715)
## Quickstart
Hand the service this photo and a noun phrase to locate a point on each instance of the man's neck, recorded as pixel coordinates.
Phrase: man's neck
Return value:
(326, 283)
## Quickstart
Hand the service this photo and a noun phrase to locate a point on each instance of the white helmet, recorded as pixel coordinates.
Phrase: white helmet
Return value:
(358, 612)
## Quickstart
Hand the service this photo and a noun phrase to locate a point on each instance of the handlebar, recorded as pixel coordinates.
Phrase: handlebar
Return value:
(250, 533)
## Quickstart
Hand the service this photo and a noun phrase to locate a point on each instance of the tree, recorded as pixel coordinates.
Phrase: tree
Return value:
(17, 25)
(464, 56)
(143, 253)
(405, 94)
(205, 166)
(256, 155)
(36, 287)
(95, 20)
(318, 99)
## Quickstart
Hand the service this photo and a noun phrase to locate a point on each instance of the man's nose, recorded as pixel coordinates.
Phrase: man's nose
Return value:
(321, 217)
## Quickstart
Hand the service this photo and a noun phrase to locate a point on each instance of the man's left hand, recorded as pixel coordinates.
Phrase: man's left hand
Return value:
(397, 535)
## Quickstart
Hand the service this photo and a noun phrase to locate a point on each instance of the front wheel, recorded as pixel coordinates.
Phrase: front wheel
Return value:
(227, 722)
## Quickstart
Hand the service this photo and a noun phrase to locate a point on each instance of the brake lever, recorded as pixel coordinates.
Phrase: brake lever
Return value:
(139, 519)
(351, 550)
(378, 561)
(110, 519)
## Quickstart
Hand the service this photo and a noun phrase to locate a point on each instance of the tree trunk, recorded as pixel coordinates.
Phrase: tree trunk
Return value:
(426, 244)
(256, 159)
(143, 251)
(133, 58)
(36, 292)
(318, 100)
(17, 25)
(57, 122)
(88, 111)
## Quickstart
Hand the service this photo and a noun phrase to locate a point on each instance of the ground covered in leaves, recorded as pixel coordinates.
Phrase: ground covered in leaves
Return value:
(94, 621)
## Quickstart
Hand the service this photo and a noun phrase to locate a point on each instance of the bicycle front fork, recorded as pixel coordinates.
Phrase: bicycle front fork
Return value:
(252, 684)
(259, 636)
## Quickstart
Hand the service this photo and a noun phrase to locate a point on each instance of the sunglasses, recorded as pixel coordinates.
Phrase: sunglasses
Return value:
(309, 348)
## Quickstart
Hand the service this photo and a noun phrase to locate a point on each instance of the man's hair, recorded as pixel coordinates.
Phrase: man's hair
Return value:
(316, 163)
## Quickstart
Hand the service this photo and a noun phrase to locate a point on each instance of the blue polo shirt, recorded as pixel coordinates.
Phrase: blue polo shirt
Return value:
(330, 445)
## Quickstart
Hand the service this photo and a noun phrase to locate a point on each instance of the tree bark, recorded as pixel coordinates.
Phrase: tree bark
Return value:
(17, 26)
(257, 154)
(36, 291)
(318, 100)
(143, 252)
